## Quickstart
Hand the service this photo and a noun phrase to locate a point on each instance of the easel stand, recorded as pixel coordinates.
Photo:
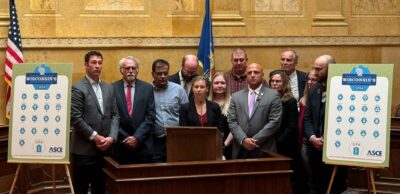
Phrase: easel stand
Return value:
(370, 175)
(53, 169)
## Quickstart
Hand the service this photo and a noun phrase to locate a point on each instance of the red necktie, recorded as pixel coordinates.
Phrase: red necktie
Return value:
(128, 98)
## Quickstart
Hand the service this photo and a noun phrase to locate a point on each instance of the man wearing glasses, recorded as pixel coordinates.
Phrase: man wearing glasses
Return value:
(168, 97)
(135, 101)
(184, 76)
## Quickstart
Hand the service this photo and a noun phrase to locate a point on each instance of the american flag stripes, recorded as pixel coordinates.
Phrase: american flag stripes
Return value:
(13, 52)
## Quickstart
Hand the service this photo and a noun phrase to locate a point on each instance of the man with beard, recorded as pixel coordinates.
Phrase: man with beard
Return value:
(314, 119)
(184, 77)
(168, 97)
(135, 100)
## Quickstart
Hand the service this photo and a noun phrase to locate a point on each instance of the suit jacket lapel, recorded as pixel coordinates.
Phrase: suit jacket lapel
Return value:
(136, 99)
(91, 91)
(246, 102)
(257, 100)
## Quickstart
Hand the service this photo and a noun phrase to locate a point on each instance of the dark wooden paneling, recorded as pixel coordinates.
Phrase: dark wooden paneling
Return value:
(266, 175)
(387, 179)
(34, 178)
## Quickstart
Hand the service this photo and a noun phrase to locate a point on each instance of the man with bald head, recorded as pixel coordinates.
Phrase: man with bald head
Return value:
(189, 69)
(314, 130)
(254, 116)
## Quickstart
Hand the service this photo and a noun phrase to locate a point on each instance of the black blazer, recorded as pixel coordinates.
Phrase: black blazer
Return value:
(315, 112)
(287, 134)
(143, 117)
(188, 115)
(175, 78)
(301, 82)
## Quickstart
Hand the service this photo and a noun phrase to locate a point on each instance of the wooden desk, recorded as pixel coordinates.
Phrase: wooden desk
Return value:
(266, 175)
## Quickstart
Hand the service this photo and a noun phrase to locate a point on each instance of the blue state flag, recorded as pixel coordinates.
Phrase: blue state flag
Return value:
(205, 52)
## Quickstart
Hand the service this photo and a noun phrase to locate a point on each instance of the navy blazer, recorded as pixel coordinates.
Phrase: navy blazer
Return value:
(301, 82)
(175, 78)
(188, 115)
(315, 112)
(141, 124)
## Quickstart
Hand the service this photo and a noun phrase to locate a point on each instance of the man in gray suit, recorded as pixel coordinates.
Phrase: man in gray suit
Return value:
(254, 116)
(95, 118)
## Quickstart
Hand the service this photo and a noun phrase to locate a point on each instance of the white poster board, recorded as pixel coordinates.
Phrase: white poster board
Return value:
(357, 122)
(40, 113)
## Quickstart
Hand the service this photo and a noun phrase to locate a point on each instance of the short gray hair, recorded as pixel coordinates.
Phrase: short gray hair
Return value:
(295, 55)
(134, 59)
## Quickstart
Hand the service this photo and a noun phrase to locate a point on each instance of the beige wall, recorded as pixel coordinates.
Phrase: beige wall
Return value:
(62, 31)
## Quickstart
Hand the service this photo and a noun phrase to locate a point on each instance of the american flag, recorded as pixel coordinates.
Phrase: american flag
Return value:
(13, 52)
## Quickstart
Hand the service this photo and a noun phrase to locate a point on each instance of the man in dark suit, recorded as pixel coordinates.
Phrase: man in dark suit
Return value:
(289, 61)
(184, 77)
(314, 130)
(254, 116)
(94, 117)
(135, 100)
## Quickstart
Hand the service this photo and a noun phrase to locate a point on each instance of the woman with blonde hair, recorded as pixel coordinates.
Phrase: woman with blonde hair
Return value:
(200, 111)
(220, 94)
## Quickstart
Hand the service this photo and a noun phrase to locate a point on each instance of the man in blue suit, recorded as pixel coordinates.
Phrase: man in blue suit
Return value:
(135, 101)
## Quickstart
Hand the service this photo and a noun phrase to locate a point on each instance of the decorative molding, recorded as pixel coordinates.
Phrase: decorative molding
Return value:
(266, 41)
(375, 8)
(329, 21)
(227, 19)
(4, 20)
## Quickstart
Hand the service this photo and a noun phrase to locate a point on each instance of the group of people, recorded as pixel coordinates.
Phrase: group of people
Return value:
(127, 119)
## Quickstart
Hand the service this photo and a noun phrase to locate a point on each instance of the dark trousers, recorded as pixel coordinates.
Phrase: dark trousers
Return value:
(88, 170)
(160, 149)
(322, 174)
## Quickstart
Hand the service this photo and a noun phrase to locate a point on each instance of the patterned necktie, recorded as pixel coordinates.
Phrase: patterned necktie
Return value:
(128, 98)
(252, 99)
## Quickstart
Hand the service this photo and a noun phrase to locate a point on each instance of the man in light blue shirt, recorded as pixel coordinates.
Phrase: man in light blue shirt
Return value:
(168, 97)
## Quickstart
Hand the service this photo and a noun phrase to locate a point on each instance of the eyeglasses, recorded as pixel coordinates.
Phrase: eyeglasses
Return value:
(129, 69)
(161, 74)
(239, 60)
(317, 69)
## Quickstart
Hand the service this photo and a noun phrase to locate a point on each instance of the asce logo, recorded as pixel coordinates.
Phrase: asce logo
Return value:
(56, 149)
(374, 153)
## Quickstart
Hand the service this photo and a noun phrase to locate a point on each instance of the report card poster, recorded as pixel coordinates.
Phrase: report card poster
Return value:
(40, 113)
(357, 121)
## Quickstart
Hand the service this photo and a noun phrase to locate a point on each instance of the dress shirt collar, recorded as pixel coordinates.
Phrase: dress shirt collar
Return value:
(238, 77)
(160, 89)
(293, 76)
(92, 82)
(257, 90)
(126, 84)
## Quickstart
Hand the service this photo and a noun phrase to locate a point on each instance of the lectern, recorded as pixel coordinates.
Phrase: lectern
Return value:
(193, 144)
(270, 175)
